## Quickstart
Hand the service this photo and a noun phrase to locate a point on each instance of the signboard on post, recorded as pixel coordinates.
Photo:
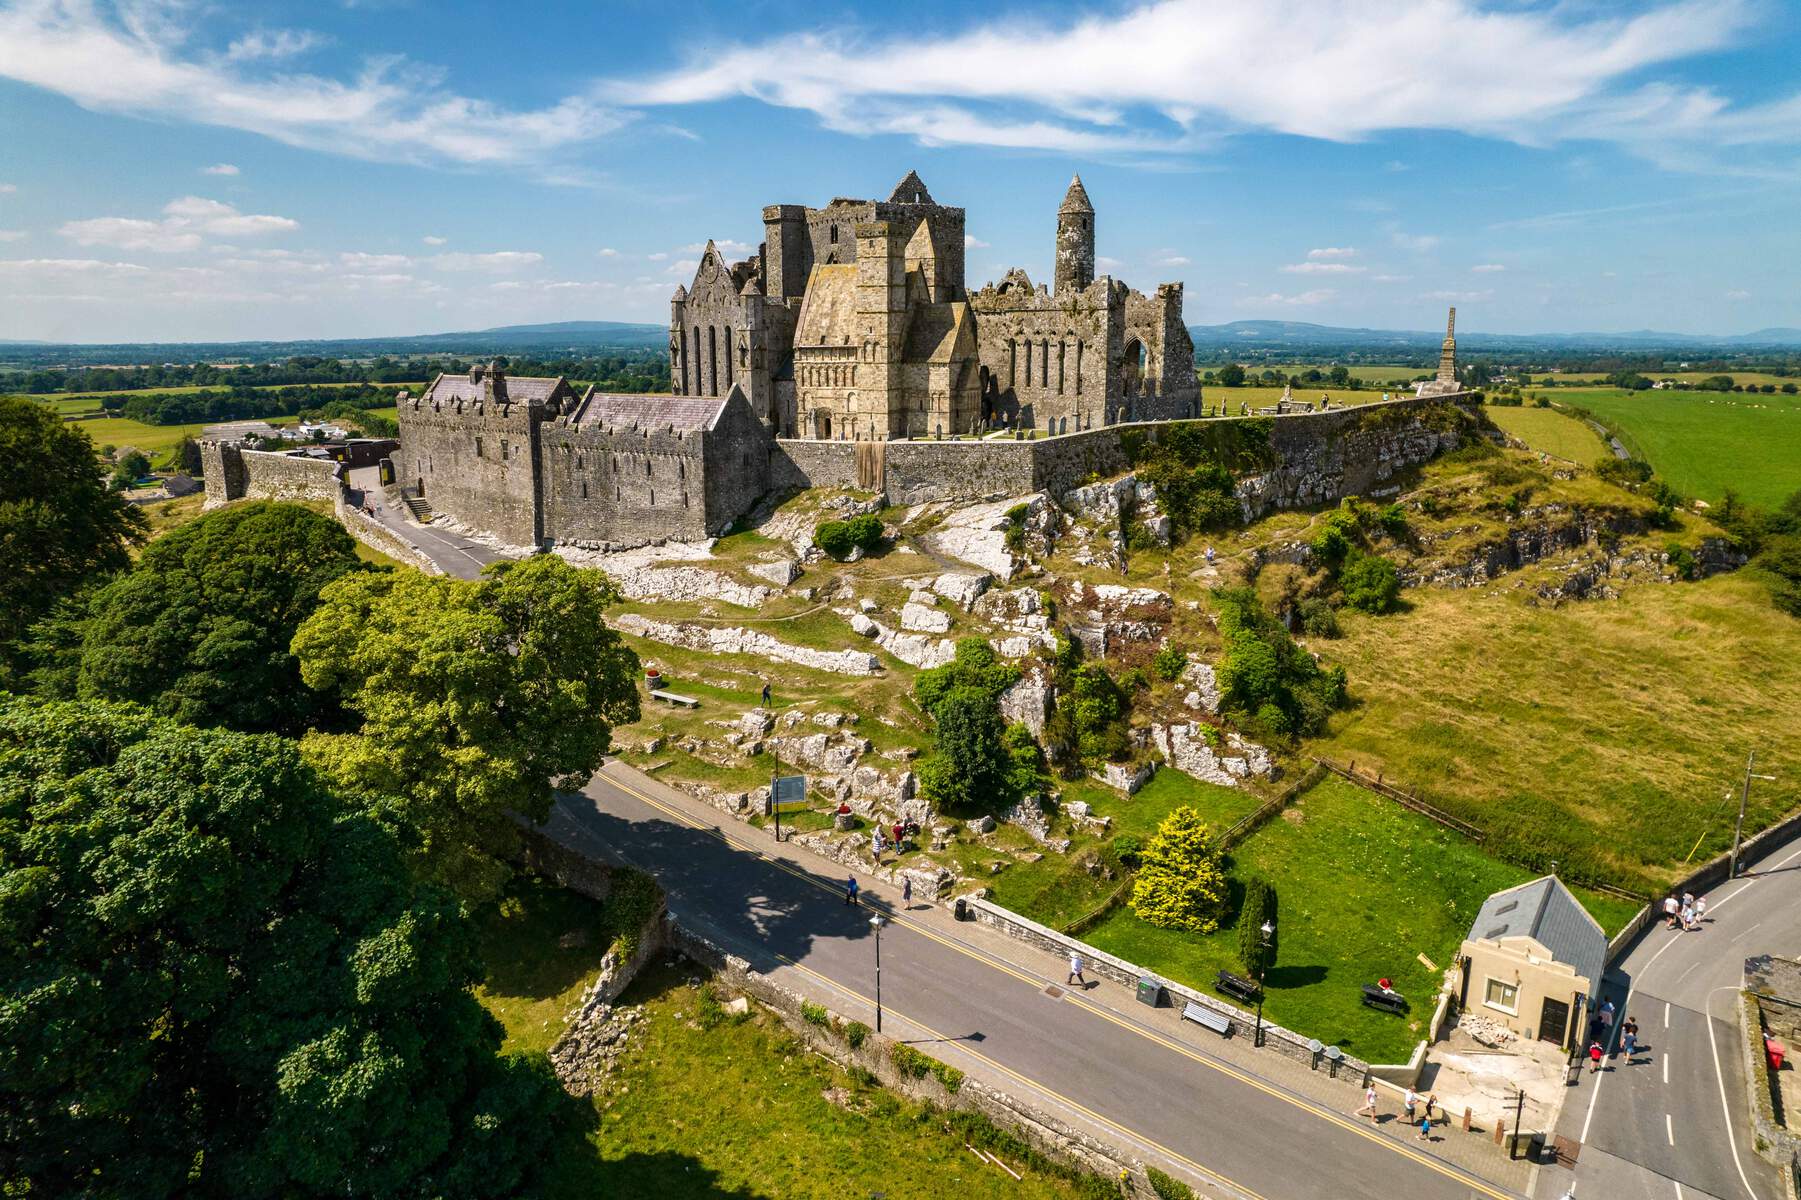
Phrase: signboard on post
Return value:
(787, 793)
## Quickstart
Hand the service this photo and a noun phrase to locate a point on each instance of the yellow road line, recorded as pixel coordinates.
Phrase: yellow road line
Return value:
(1326, 1114)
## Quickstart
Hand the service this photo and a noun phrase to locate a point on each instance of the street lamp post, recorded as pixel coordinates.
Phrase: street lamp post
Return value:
(1262, 970)
(1744, 798)
(876, 924)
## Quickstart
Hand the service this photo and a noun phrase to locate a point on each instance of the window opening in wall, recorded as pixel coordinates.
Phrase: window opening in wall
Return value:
(1061, 348)
(478, 446)
(1502, 995)
(834, 235)
(653, 497)
(503, 449)
(1012, 361)
(1028, 362)
(712, 360)
(695, 389)
(728, 357)
(578, 462)
(1078, 366)
(647, 468)
(584, 489)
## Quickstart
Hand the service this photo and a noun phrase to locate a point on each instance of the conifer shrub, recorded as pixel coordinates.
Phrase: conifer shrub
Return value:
(1181, 884)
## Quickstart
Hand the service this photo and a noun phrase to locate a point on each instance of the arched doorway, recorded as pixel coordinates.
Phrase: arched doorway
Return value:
(822, 424)
(1132, 367)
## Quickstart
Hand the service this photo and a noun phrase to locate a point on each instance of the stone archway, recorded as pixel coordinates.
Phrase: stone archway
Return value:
(1132, 365)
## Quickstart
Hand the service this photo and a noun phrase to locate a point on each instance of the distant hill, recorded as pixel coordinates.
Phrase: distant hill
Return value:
(1303, 335)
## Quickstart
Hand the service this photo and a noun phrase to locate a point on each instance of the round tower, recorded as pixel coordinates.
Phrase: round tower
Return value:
(1075, 239)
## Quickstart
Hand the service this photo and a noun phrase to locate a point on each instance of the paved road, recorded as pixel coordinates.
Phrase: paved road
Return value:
(455, 554)
(1673, 1122)
(989, 1012)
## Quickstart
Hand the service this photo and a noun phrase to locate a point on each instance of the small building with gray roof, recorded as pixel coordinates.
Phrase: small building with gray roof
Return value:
(1533, 961)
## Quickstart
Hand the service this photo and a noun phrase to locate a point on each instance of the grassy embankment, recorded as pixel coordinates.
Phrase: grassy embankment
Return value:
(1552, 432)
(154, 440)
(1706, 442)
(706, 1105)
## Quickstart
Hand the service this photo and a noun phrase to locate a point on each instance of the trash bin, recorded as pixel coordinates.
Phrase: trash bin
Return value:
(1150, 990)
(960, 910)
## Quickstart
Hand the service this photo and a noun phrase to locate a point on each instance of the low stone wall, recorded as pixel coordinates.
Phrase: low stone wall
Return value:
(1118, 970)
(1774, 1141)
(272, 475)
(1047, 1134)
(376, 536)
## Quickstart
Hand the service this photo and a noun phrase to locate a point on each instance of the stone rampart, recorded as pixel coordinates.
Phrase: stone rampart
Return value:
(1319, 457)
(273, 475)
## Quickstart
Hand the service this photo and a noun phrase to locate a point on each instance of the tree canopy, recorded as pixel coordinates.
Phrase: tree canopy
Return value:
(475, 697)
(199, 628)
(216, 979)
(58, 522)
(1180, 883)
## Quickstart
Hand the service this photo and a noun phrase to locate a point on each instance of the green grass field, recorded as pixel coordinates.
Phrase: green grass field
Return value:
(1739, 377)
(705, 1105)
(1705, 442)
(1364, 886)
(1557, 434)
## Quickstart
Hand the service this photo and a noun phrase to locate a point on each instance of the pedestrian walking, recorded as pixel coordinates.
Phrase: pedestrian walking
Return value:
(1426, 1128)
(1594, 1055)
(1075, 970)
(906, 891)
(1688, 899)
(1629, 1038)
(850, 891)
(1369, 1103)
(1700, 909)
(1431, 1103)
(1606, 1015)
(1670, 906)
(1409, 1103)
(1688, 919)
(766, 694)
(876, 844)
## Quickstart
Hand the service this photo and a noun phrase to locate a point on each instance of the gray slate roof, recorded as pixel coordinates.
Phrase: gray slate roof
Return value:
(652, 412)
(1545, 910)
(520, 389)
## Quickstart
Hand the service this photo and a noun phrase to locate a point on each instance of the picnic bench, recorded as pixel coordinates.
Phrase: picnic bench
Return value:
(1200, 1014)
(1236, 985)
(674, 698)
(1380, 998)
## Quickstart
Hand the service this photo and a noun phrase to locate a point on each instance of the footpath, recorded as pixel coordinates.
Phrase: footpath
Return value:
(1236, 1120)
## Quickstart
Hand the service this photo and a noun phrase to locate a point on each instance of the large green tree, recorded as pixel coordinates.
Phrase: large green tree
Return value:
(58, 522)
(1180, 883)
(218, 980)
(476, 697)
(200, 628)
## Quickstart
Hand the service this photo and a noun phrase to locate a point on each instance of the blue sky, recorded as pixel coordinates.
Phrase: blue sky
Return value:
(179, 170)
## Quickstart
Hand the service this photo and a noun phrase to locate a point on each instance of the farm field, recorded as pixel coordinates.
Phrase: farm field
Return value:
(1555, 433)
(777, 1120)
(1364, 886)
(1706, 442)
(156, 440)
(69, 403)
(1602, 734)
(1739, 377)
(1368, 373)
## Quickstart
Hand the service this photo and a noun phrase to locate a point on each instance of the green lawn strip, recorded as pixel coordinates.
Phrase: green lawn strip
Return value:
(1364, 887)
(1705, 442)
(1557, 434)
(741, 1108)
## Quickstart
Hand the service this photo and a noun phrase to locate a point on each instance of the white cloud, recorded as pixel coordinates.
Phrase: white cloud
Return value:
(1418, 243)
(1738, 294)
(972, 242)
(1332, 252)
(389, 109)
(1107, 264)
(358, 260)
(1347, 71)
(1460, 297)
(273, 44)
(498, 261)
(219, 169)
(1390, 278)
(1488, 268)
(11, 235)
(7, 189)
(431, 239)
(1167, 258)
(1316, 296)
(1315, 267)
(607, 252)
(659, 256)
(725, 246)
(222, 220)
(130, 233)
(1394, 164)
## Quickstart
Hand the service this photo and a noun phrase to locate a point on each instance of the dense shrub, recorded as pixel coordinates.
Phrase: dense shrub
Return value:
(1626, 472)
(1370, 583)
(837, 538)
(1097, 710)
(1264, 676)
(1335, 537)
(1167, 1188)
(1681, 560)
(1129, 849)
(1255, 951)
(1181, 883)
(1169, 663)
(1393, 521)
(1316, 617)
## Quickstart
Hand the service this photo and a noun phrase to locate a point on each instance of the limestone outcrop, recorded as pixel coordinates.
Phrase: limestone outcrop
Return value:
(716, 639)
(1187, 749)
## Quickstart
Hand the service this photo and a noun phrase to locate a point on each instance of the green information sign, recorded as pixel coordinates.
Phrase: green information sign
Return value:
(788, 793)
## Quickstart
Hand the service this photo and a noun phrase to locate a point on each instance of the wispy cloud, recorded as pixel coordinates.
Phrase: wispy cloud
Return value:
(1300, 299)
(273, 44)
(391, 108)
(1080, 84)
(1461, 297)
(184, 225)
(1417, 243)
(1169, 258)
(1315, 267)
(497, 261)
(11, 235)
(1328, 253)
(219, 169)
(432, 239)
(1488, 268)
(972, 242)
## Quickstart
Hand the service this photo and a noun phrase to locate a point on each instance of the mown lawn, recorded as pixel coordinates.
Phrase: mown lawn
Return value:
(1706, 442)
(1364, 886)
(705, 1105)
(1557, 434)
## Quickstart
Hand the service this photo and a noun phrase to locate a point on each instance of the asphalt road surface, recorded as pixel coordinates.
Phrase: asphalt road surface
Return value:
(997, 1018)
(457, 555)
(1672, 1122)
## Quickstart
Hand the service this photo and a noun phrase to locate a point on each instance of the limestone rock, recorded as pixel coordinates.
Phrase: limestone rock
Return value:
(922, 619)
(977, 533)
(830, 752)
(756, 723)
(1028, 702)
(867, 605)
(1126, 777)
(1186, 749)
(961, 589)
(736, 640)
(1203, 686)
(861, 624)
(781, 572)
(983, 824)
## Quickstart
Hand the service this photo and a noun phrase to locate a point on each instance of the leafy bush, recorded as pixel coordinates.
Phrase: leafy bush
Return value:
(1265, 675)
(856, 1033)
(1129, 849)
(814, 1014)
(1317, 618)
(972, 762)
(1097, 709)
(976, 667)
(1335, 537)
(837, 538)
(1625, 472)
(1370, 583)
(1255, 951)
(1681, 561)
(1393, 521)
(1169, 663)
(1166, 1187)
(1180, 884)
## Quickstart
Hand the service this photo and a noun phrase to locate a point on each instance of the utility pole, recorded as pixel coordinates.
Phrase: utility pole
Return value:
(1744, 798)
(876, 924)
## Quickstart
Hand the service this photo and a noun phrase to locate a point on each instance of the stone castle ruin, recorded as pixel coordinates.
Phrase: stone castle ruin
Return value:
(847, 352)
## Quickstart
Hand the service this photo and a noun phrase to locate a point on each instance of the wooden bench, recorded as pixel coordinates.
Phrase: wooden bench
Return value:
(674, 698)
(1392, 1002)
(1200, 1014)
(1236, 985)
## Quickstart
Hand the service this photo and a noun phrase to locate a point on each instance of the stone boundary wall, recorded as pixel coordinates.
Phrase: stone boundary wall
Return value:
(233, 473)
(1283, 1041)
(1711, 874)
(1774, 1142)
(1047, 1134)
(921, 470)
